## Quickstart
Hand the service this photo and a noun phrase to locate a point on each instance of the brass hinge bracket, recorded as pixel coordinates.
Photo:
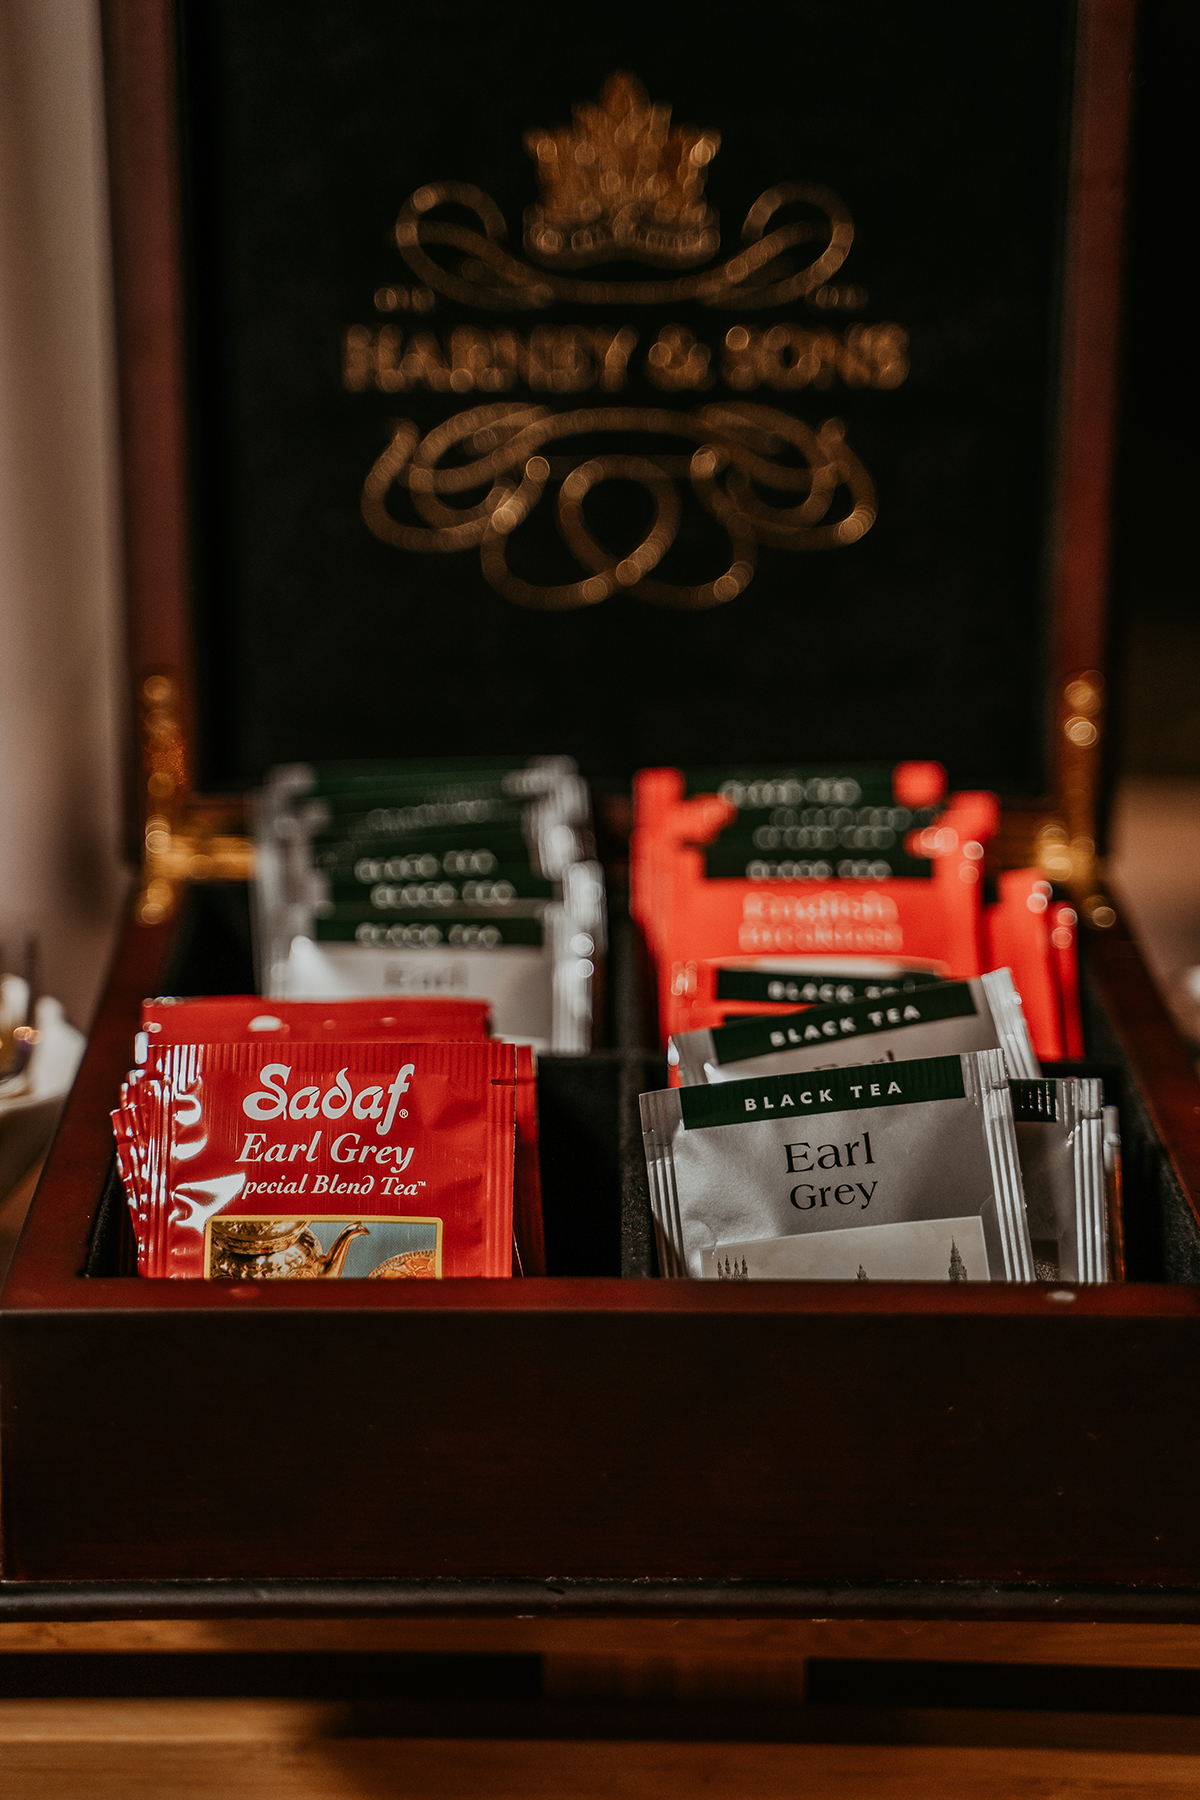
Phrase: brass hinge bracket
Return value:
(183, 839)
(1064, 843)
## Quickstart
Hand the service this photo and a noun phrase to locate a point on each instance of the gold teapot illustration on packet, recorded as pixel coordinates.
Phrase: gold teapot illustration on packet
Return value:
(287, 1250)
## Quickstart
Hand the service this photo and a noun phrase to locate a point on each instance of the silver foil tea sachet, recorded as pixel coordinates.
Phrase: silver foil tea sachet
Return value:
(797, 1175)
(1113, 1196)
(1060, 1141)
(983, 1013)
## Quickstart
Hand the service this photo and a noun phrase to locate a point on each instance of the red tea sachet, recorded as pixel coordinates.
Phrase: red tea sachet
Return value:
(701, 922)
(690, 918)
(248, 1017)
(300, 1160)
(226, 1017)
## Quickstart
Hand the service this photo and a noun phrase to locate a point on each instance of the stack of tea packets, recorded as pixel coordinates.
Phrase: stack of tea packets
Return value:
(908, 1136)
(424, 878)
(765, 887)
(299, 1140)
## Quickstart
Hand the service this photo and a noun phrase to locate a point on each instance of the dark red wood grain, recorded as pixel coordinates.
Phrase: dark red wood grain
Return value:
(143, 158)
(1091, 329)
(615, 1432)
(1165, 1070)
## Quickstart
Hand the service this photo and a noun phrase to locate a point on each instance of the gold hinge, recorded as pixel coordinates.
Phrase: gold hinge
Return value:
(183, 839)
(1065, 844)
(1062, 841)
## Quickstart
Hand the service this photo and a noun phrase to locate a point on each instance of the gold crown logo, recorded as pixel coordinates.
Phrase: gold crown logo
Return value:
(621, 185)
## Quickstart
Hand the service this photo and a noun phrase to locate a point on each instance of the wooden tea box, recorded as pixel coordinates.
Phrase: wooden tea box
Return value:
(501, 381)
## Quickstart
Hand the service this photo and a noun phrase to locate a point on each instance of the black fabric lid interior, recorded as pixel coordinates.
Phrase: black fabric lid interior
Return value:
(307, 125)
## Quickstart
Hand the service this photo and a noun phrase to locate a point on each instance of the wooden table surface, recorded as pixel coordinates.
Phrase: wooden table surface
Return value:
(627, 1709)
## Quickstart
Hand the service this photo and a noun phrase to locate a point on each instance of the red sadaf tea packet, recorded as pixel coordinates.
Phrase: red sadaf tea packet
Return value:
(225, 1018)
(235, 1018)
(262, 1160)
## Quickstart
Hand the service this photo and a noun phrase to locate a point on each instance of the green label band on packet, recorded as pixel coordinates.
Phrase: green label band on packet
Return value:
(348, 925)
(838, 1090)
(911, 1144)
(768, 985)
(423, 855)
(862, 1018)
(540, 836)
(541, 849)
(505, 835)
(815, 842)
(378, 801)
(812, 824)
(431, 899)
(1034, 1102)
(480, 778)
(749, 788)
(505, 886)
(422, 817)
(729, 861)
(369, 814)
(948, 1017)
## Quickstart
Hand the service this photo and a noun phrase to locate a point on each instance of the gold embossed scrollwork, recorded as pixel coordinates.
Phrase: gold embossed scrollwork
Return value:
(487, 275)
(739, 450)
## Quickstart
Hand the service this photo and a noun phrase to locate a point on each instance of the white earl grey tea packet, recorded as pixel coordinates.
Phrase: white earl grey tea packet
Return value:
(438, 878)
(1060, 1142)
(902, 1171)
(984, 1013)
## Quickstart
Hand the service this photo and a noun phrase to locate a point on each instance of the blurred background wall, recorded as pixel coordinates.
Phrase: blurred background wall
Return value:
(60, 633)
